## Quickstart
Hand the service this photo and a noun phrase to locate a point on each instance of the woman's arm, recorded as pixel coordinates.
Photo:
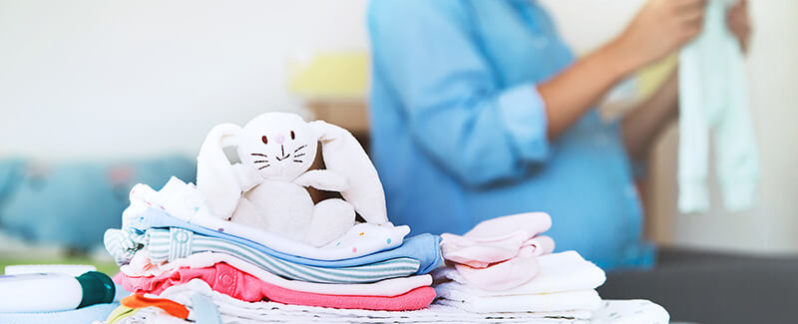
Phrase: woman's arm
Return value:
(661, 27)
(644, 122)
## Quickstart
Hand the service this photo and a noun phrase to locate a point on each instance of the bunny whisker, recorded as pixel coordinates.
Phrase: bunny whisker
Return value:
(265, 166)
(300, 154)
(261, 161)
(298, 161)
(259, 154)
(301, 147)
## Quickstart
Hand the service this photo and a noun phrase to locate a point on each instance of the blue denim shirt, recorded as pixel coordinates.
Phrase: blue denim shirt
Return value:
(459, 129)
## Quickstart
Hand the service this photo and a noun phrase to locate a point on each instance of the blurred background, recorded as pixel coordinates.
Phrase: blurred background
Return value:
(96, 96)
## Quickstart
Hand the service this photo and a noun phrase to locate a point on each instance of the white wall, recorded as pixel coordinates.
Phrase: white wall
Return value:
(95, 78)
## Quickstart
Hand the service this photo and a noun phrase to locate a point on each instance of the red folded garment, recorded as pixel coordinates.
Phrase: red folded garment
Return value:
(228, 280)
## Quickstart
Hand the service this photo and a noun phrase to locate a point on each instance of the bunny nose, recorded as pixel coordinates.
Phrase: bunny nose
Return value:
(280, 139)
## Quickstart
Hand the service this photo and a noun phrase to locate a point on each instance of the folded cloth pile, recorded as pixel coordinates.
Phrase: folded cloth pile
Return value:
(196, 301)
(503, 265)
(168, 238)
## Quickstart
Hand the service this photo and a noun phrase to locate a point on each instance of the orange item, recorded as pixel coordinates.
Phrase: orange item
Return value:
(169, 306)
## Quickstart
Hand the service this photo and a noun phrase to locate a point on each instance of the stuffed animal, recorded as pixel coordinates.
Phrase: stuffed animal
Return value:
(267, 189)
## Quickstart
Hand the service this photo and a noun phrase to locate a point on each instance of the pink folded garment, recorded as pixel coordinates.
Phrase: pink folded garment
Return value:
(529, 223)
(504, 275)
(500, 253)
(228, 280)
(498, 239)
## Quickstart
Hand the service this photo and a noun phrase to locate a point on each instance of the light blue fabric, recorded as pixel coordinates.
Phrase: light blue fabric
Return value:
(424, 247)
(170, 244)
(73, 203)
(459, 129)
(204, 310)
(713, 97)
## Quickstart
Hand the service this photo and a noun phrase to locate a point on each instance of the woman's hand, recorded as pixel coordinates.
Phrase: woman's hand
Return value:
(739, 23)
(661, 27)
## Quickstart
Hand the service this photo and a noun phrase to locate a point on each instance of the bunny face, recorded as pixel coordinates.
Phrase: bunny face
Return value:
(280, 146)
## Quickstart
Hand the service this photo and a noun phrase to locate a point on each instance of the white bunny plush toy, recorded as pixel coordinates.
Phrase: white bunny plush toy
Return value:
(267, 188)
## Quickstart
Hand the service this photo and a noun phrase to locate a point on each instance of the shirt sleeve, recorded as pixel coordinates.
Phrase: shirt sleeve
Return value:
(456, 110)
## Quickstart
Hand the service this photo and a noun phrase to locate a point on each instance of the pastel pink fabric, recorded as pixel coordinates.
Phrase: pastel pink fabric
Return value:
(500, 253)
(228, 280)
(529, 223)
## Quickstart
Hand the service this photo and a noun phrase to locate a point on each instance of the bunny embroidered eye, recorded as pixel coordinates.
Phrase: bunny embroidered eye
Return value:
(293, 136)
(264, 139)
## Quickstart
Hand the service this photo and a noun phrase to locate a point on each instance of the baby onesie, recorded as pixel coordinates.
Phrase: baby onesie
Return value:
(713, 98)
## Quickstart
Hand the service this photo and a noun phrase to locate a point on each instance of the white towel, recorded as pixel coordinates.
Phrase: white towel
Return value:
(559, 272)
(588, 300)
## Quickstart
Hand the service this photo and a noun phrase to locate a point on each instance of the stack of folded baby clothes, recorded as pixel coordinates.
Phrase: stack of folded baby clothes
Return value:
(503, 265)
(168, 239)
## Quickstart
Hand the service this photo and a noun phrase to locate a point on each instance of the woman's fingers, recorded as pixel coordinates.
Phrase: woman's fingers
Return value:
(688, 5)
(739, 24)
(692, 17)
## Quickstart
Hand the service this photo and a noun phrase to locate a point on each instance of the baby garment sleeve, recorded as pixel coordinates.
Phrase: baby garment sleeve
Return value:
(713, 97)
(457, 111)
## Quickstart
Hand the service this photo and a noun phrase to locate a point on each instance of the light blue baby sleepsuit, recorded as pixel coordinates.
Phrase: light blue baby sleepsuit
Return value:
(713, 96)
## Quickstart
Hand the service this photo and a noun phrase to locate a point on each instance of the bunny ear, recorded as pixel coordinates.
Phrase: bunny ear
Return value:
(344, 155)
(216, 179)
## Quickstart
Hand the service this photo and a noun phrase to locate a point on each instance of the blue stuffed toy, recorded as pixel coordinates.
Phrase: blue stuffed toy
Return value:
(72, 204)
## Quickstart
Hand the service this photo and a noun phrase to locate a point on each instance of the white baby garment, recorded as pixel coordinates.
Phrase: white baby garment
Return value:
(583, 300)
(713, 98)
(558, 272)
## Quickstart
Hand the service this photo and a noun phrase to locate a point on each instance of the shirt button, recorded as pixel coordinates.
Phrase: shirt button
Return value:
(226, 280)
(182, 237)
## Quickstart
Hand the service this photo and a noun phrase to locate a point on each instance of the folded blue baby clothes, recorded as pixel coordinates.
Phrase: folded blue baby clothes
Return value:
(177, 243)
(425, 248)
(713, 98)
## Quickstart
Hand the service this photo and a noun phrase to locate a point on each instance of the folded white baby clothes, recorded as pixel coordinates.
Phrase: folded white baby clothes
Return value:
(140, 266)
(588, 300)
(499, 253)
(565, 282)
(185, 203)
(558, 272)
